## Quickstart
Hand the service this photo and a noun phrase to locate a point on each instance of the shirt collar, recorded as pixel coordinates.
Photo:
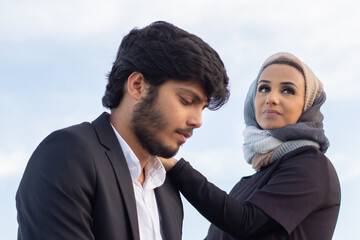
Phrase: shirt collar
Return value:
(155, 173)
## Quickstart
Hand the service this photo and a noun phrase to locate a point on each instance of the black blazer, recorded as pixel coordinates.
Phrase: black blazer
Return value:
(77, 185)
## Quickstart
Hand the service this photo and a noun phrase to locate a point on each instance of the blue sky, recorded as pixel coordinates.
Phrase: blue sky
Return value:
(54, 57)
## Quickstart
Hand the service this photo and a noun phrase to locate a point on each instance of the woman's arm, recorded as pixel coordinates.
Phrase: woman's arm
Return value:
(230, 215)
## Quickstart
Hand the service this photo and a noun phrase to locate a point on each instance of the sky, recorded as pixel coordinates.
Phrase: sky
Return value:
(55, 55)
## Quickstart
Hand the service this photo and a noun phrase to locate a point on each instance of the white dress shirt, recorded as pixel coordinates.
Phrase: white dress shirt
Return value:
(146, 206)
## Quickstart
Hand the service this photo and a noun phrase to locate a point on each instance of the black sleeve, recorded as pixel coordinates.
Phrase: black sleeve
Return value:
(236, 218)
(55, 194)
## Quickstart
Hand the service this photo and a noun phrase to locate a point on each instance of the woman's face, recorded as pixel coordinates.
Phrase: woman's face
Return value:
(280, 96)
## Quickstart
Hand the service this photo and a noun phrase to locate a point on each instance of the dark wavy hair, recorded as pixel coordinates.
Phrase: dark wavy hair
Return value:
(162, 51)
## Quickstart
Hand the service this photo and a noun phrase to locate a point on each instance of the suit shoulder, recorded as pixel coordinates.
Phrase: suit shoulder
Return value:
(79, 130)
(76, 134)
(65, 146)
(62, 158)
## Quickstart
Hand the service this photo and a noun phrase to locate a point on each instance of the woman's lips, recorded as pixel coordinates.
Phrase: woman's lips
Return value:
(271, 113)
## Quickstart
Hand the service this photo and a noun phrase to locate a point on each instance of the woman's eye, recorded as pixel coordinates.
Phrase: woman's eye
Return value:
(289, 90)
(263, 89)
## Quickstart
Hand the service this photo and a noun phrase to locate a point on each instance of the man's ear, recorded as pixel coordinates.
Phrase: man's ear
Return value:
(136, 85)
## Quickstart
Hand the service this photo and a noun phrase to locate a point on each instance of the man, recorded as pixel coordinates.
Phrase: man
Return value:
(102, 180)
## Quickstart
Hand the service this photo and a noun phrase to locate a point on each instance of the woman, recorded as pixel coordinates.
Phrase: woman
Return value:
(295, 192)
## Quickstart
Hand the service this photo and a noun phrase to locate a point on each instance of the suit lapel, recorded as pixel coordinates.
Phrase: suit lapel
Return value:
(108, 138)
(170, 211)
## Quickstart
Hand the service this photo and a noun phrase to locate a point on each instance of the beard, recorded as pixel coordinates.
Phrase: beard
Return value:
(147, 122)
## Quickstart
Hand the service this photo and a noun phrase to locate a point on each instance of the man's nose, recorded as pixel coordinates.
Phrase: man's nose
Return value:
(195, 120)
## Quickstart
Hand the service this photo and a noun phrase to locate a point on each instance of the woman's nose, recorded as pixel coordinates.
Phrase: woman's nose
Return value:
(272, 98)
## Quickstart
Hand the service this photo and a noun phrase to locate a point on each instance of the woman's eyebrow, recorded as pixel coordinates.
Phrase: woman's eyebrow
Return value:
(265, 81)
(289, 83)
(282, 83)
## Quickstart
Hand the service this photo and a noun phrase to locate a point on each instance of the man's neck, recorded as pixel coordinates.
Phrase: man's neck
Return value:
(122, 124)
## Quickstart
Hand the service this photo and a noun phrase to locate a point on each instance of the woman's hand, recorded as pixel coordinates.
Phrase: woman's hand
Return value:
(168, 163)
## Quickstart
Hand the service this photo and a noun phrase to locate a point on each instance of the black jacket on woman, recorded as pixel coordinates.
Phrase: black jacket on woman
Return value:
(297, 197)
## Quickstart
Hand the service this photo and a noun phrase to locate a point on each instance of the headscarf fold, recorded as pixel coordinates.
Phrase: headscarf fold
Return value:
(263, 147)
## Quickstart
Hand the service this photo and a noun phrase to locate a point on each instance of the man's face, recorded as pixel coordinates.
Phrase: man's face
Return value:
(165, 118)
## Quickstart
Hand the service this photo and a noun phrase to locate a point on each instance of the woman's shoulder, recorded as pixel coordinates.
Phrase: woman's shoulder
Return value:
(306, 162)
(310, 163)
(305, 155)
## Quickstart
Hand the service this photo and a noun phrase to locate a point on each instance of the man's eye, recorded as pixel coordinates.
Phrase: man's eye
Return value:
(185, 101)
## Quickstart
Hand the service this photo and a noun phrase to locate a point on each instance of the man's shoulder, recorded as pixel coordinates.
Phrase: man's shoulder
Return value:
(85, 130)
(80, 129)
(81, 134)
(87, 134)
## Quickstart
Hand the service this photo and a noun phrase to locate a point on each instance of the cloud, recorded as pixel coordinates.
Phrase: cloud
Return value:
(65, 19)
(72, 20)
(12, 163)
(346, 165)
